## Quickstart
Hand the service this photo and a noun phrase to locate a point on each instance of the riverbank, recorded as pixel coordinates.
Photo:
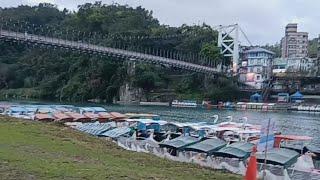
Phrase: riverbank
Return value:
(34, 150)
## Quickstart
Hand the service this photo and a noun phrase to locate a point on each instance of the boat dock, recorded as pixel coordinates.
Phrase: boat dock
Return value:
(154, 104)
(276, 107)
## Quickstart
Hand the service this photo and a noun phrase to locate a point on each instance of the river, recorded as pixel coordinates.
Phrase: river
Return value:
(293, 123)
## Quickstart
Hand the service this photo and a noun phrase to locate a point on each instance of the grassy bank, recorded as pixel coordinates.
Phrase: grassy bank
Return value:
(34, 150)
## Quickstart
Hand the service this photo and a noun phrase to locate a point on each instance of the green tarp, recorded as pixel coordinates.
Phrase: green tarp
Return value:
(180, 142)
(239, 150)
(207, 146)
(279, 156)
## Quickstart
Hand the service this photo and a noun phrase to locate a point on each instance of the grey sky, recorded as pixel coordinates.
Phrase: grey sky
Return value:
(262, 20)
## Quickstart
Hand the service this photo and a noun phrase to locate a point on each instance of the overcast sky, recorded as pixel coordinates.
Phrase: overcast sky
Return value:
(262, 20)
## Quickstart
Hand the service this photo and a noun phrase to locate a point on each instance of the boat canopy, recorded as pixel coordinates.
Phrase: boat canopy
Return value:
(87, 109)
(148, 121)
(95, 129)
(45, 110)
(186, 124)
(77, 116)
(60, 108)
(98, 109)
(31, 109)
(117, 132)
(44, 117)
(142, 116)
(279, 156)
(17, 109)
(180, 142)
(313, 148)
(117, 116)
(286, 138)
(239, 150)
(207, 146)
(61, 117)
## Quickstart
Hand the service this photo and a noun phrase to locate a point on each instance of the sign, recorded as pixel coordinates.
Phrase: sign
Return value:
(266, 137)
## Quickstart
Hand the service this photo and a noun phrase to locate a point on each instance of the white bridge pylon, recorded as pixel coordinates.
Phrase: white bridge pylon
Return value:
(228, 41)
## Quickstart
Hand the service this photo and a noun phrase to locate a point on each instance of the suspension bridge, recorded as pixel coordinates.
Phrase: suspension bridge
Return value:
(229, 48)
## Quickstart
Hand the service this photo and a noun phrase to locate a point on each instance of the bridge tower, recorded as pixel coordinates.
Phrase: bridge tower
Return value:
(228, 41)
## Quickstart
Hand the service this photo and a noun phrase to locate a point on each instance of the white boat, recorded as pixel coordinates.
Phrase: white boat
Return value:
(184, 103)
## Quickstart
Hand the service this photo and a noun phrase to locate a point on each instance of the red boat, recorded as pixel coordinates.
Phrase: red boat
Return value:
(78, 117)
(62, 117)
(43, 117)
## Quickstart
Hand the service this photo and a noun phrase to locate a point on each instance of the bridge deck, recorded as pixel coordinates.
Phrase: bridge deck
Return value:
(86, 47)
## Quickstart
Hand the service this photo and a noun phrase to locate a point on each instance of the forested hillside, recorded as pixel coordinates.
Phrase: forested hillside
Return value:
(55, 74)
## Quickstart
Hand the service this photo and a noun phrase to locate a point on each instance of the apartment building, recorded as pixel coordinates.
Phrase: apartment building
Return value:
(294, 44)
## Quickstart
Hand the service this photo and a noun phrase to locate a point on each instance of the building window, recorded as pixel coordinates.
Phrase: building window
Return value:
(258, 61)
(258, 70)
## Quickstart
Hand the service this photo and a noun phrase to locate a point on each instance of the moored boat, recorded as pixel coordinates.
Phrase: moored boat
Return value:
(43, 117)
(78, 117)
(115, 116)
(62, 117)
(184, 104)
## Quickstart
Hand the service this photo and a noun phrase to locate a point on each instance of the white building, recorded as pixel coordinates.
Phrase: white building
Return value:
(306, 66)
(256, 67)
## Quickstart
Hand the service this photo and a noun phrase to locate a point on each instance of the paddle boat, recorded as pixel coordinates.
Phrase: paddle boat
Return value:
(115, 116)
(17, 112)
(62, 117)
(207, 146)
(31, 111)
(176, 144)
(43, 117)
(77, 117)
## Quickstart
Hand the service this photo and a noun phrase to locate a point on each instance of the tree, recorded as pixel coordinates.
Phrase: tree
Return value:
(213, 52)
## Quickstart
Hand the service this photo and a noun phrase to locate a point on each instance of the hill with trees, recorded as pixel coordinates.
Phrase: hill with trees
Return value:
(56, 74)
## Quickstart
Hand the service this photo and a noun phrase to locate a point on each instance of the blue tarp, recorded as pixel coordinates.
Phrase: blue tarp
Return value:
(256, 97)
(297, 95)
